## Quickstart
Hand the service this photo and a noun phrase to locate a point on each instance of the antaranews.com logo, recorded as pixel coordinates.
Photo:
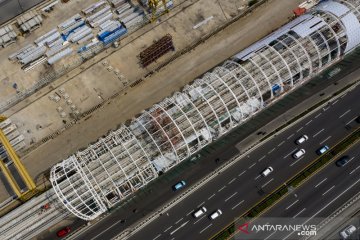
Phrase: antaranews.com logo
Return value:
(275, 228)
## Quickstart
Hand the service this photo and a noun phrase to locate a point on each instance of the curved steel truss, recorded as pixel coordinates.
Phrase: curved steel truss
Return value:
(93, 180)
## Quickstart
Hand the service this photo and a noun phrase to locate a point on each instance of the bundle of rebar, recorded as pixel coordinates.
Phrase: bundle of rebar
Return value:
(156, 50)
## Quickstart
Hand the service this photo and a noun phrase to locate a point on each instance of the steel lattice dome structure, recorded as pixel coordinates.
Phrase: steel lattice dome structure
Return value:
(91, 181)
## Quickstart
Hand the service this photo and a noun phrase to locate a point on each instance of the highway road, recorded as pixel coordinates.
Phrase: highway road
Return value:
(355, 221)
(313, 201)
(239, 187)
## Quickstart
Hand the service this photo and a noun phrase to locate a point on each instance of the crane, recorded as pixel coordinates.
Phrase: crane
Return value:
(154, 6)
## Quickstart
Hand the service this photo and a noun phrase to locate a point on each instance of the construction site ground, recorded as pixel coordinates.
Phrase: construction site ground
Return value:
(93, 83)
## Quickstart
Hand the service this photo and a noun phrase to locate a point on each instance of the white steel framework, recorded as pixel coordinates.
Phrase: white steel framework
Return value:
(93, 180)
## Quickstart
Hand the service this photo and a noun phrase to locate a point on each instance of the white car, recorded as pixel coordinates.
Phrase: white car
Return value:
(199, 212)
(215, 214)
(267, 171)
(347, 231)
(301, 139)
(299, 153)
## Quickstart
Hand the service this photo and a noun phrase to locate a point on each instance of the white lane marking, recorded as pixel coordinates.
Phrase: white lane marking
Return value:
(350, 159)
(320, 182)
(221, 189)
(157, 237)
(290, 136)
(354, 169)
(237, 205)
(281, 143)
(318, 115)
(230, 197)
(335, 102)
(350, 121)
(211, 196)
(308, 122)
(182, 225)
(269, 236)
(328, 190)
(290, 153)
(205, 228)
(199, 219)
(299, 213)
(231, 181)
(200, 204)
(299, 129)
(257, 177)
(271, 150)
(343, 95)
(291, 204)
(345, 113)
(190, 212)
(179, 220)
(318, 132)
(252, 165)
(295, 162)
(168, 229)
(267, 182)
(325, 140)
(242, 173)
(322, 209)
(261, 158)
(325, 109)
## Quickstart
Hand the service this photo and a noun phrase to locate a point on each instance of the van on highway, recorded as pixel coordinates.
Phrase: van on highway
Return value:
(199, 212)
(347, 232)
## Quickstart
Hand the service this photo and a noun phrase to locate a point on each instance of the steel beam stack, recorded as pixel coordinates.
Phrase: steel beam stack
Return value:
(156, 50)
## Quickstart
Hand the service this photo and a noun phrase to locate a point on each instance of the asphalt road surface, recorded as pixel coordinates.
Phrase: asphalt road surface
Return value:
(313, 201)
(355, 221)
(238, 188)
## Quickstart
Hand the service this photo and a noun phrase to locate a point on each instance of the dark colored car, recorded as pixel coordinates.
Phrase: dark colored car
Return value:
(63, 232)
(342, 161)
(357, 119)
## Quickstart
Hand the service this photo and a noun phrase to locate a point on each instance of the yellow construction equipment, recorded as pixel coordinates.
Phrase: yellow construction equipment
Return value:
(10, 152)
(155, 5)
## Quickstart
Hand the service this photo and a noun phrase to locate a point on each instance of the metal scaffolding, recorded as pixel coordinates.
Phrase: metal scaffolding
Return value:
(93, 180)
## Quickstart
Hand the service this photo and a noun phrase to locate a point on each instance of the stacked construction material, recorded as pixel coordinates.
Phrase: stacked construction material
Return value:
(156, 50)
(70, 25)
(59, 55)
(80, 34)
(32, 55)
(111, 31)
(129, 15)
(48, 38)
(7, 35)
(29, 21)
(94, 8)
(117, 3)
(98, 13)
(25, 49)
